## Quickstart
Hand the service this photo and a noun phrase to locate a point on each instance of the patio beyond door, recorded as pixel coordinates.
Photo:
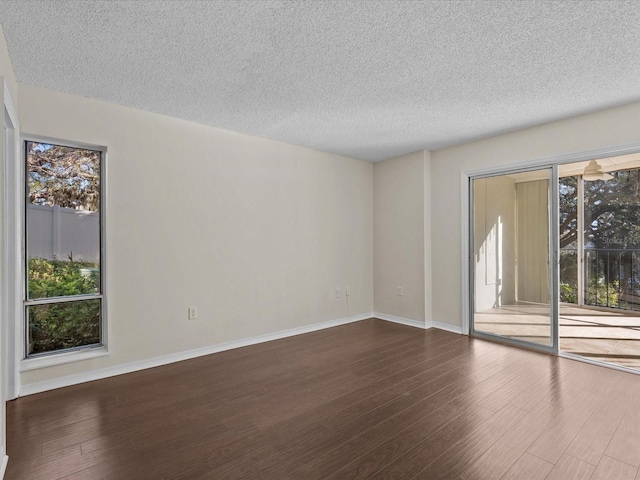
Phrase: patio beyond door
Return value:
(514, 272)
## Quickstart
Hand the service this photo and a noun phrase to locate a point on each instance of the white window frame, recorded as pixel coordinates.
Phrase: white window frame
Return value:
(79, 353)
(10, 294)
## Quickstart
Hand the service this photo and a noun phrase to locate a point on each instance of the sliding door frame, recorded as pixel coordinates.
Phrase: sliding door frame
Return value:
(553, 252)
(467, 226)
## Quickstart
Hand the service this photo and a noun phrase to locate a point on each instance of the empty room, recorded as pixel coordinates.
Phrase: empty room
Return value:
(308, 240)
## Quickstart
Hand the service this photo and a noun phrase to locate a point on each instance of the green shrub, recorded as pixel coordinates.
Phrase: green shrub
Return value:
(60, 278)
(59, 326)
(596, 294)
(603, 294)
(568, 293)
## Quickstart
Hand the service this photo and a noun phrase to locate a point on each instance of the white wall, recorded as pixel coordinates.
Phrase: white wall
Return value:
(616, 126)
(257, 234)
(399, 236)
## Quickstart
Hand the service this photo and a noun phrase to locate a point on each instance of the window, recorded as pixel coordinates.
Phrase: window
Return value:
(600, 240)
(64, 301)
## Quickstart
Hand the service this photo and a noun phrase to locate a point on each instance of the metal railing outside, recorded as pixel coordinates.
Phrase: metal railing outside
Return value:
(611, 277)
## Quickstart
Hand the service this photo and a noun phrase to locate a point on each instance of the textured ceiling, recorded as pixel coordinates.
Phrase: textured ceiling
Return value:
(366, 79)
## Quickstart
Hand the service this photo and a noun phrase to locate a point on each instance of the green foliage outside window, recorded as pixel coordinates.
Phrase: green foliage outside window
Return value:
(598, 293)
(59, 326)
(568, 293)
(59, 278)
(603, 294)
(610, 237)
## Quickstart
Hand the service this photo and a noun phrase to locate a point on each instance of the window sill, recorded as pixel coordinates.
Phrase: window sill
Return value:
(62, 358)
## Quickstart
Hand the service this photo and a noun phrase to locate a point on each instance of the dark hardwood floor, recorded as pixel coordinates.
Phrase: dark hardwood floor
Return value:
(367, 400)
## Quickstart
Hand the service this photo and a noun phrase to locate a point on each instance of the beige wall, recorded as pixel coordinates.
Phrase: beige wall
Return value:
(284, 225)
(399, 235)
(257, 234)
(6, 69)
(494, 235)
(532, 207)
(616, 126)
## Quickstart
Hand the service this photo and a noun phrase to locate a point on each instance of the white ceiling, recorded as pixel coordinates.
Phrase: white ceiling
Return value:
(366, 79)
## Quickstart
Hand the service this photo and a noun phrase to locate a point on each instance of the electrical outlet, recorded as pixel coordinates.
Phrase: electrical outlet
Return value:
(347, 291)
(337, 293)
(193, 313)
(400, 292)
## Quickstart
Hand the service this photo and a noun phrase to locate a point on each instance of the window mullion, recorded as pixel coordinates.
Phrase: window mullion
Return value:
(74, 298)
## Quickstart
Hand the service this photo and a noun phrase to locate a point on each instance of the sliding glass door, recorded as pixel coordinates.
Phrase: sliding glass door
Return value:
(513, 257)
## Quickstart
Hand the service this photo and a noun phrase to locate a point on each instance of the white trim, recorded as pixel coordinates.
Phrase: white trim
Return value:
(448, 327)
(12, 251)
(404, 321)
(3, 465)
(580, 156)
(419, 324)
(554, 256)
(31, 137)
(24, 363)
(62, 358)
(580, 239)
(45, 385)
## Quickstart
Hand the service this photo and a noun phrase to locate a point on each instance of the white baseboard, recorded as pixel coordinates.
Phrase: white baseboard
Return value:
(404, 321)
(419, 324)
(3, 466)
(448, 327)
(51, 384)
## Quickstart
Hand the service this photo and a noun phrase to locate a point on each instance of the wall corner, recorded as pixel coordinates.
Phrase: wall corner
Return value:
(428, 278)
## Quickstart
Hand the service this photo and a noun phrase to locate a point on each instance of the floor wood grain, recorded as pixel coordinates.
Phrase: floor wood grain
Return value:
(370, 399)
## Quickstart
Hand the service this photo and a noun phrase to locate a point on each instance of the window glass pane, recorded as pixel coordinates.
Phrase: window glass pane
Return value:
(511, 229)
(612, 240)
(58, 326)
(568, 198)
(62, 220)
